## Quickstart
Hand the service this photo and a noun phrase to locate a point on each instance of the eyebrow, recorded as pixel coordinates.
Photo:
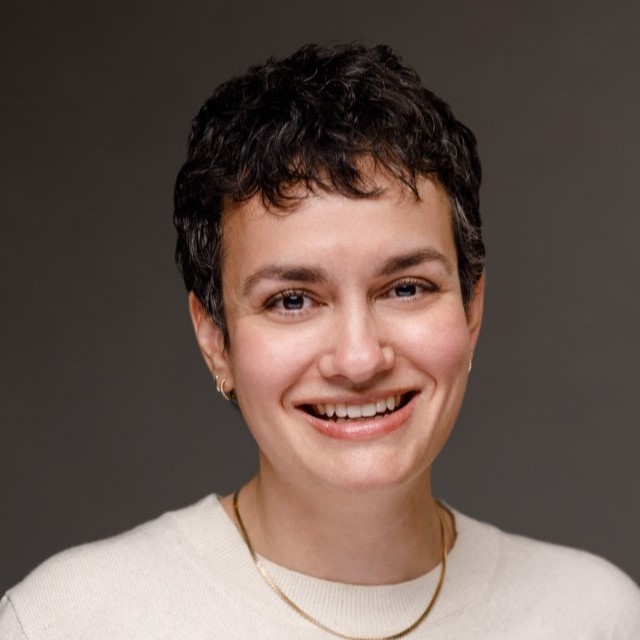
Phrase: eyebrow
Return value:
(415, 258)
(286, 272)
(297, 273)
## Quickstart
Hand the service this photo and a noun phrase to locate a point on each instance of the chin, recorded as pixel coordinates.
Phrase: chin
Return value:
(371, 470)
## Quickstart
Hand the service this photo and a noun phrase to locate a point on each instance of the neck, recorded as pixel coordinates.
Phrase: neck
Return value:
(379, 537)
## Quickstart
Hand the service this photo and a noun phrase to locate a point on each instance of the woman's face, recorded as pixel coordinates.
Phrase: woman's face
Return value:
(349, 342)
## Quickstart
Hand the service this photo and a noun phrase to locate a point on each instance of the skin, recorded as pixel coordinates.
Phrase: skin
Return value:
(344, 300)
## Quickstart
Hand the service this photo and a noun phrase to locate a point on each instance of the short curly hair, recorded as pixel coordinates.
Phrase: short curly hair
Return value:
(318, 118)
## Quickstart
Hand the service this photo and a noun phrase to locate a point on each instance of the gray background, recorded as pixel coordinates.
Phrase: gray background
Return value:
(108, 415)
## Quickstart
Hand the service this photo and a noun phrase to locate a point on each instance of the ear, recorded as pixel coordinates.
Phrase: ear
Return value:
(474, 311)
(210, 340)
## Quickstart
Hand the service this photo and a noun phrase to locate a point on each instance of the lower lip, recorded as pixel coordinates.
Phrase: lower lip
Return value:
(363, 429)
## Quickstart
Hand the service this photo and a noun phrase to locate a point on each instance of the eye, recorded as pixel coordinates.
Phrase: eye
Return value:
(405, 290)
(289, 302)
(292, 301)
(411, 288)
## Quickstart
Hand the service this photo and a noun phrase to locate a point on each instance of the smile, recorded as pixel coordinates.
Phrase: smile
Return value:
(340, 411)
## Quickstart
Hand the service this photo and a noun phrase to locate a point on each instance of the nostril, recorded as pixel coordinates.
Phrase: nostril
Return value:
(389, 356)
(357, 364)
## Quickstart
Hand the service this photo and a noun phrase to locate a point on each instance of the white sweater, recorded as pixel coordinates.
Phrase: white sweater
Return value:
(188, 575)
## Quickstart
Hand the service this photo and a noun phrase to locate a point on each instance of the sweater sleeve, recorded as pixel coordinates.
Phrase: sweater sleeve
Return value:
(627, 598)
(10, 627)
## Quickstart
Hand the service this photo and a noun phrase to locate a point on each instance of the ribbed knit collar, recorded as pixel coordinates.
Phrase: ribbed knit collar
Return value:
(363, 610)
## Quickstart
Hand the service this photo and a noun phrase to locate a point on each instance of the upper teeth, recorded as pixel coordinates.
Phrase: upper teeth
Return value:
(367, 410)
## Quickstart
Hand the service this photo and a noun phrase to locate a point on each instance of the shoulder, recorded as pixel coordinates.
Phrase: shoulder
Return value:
(136, 573)
(573, 570)
(130, 556)
(562, 587)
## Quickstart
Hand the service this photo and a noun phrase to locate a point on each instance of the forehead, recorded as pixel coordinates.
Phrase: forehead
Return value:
(328, 227)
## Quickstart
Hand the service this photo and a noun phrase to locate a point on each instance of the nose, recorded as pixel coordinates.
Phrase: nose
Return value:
(356, 349)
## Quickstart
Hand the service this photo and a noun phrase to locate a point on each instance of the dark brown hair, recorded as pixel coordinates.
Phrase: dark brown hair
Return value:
(311, 119)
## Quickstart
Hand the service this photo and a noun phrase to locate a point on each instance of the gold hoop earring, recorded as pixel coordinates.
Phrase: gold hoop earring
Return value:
(227, 395)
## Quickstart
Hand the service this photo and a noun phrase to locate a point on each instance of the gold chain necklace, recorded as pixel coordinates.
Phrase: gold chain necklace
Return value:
(283, 596)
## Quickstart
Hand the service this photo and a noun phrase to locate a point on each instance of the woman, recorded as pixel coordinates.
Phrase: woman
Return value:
(330, 240)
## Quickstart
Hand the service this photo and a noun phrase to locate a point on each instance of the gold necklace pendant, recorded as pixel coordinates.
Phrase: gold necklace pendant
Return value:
(283, 596)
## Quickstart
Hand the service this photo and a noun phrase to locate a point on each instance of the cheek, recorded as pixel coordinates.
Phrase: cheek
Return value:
(265, 363)
(440, 342)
